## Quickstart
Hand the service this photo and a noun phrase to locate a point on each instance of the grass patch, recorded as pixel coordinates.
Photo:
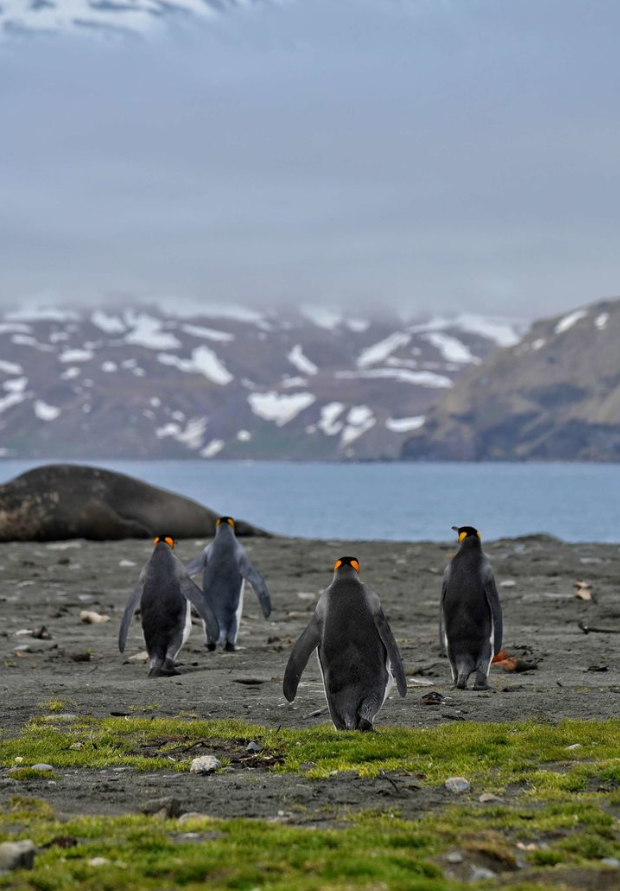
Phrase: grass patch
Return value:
(495, 755)
(374, 851)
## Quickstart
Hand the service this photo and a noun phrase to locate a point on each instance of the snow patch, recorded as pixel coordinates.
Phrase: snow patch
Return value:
(236, 313)
(16, 385)
(301, 362)
(601, 320)
(10, 367)
(571, 319)
(329, 423)
(208, 333)
(451, 349)
(147, 332)
(109, 324)
(244, 436)
(70, 373)
(278, 407)
(191, 435)
(357, 325)
(45, 412)
(213, 448)
(501, 331)
(322, 317)
(10, 401)
(539, 343)
(14, 328)
(405, 425)
(421, 378)
(204, 361)
(76, 356)
(42, 314)
(359, 421)
(109, 367)
(380, 351)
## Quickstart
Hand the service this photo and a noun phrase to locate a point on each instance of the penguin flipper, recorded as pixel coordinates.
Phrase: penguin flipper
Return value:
(195, 596)
(396, 663)
(490, 589)
(444, 588)
(197, 564)
(130, 609)
(258, 583)
(305, 646)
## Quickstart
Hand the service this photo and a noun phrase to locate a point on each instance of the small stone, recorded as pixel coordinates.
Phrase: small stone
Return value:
(253, 747)
(488, 798)
(42, 767)
(169, 807)
(457, 785)
(508, 583)
(205, 764)
(192, 815)
(17, 855)
(480, 873)
(573, 747)
(93, 618)
(454, 857)
(611, 861)
(99, 861)
(139, 657)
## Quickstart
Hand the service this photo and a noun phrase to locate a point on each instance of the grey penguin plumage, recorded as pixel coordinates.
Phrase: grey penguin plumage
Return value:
(358, 656)
(165, 593)
(225, 568)
(471, 624)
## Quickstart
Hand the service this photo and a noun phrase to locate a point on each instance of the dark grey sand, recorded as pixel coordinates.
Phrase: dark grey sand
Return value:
(50, 584)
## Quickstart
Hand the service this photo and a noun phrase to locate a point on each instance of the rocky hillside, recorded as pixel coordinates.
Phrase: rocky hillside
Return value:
(227, 382)
(553, 396)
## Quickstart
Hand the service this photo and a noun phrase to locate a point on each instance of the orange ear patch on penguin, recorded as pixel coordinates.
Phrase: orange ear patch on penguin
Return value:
(228, 520)
(348, 561)
(165, 538)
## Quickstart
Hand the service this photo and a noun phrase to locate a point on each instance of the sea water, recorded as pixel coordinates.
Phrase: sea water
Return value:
(396, 501)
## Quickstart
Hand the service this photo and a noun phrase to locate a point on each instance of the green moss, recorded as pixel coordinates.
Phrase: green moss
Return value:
(495, 755)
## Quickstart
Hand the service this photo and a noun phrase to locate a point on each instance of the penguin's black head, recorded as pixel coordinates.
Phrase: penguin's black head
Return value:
(167, 539)
(466, 532)
(348, 561)
(225, 520)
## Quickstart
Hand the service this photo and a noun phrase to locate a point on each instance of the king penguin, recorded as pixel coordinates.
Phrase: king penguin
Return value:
(470, 624)
(358, 655)
(225, 568)
(165, 593)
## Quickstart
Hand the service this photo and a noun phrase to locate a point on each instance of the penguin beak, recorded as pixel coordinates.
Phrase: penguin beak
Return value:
(455, 528)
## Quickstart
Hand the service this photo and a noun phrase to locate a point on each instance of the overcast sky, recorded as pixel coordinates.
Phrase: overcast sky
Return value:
(431, 154)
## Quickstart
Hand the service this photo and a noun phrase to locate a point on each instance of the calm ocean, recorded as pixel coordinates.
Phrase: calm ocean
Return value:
(575, 502)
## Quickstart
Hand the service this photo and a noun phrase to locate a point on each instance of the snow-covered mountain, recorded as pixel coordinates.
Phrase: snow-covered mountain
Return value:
(232, 382)
(106, 17)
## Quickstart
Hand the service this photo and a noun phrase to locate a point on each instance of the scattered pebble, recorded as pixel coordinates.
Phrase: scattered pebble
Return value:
(93, 618)
(454, 857)
(127, 563)
(99, 861)
(17, 855)
(480, 873)
(253, 747)
(205, 764)
(457, 785)
(167, 807)
(573, 747)
(508, 583)
(42, 767)
(611, 861)
(489, 798)
(192, 815)
(139, 657)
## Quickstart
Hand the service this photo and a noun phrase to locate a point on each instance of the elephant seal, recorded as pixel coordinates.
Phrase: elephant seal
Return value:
(61, 501)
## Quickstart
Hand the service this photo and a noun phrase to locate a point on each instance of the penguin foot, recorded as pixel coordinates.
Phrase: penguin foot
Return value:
(229, 647)
(210, 647)
(365, 726)
(163, 672)
(482, 687)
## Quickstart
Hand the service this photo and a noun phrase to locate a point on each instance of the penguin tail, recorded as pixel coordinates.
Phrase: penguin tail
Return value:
(461, 680)
(464, 668)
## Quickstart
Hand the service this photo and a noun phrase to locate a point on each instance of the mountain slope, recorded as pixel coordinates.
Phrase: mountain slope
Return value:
(230, 381)
(555, 395)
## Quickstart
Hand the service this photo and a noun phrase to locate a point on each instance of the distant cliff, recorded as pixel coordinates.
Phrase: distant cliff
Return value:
(553, 396)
